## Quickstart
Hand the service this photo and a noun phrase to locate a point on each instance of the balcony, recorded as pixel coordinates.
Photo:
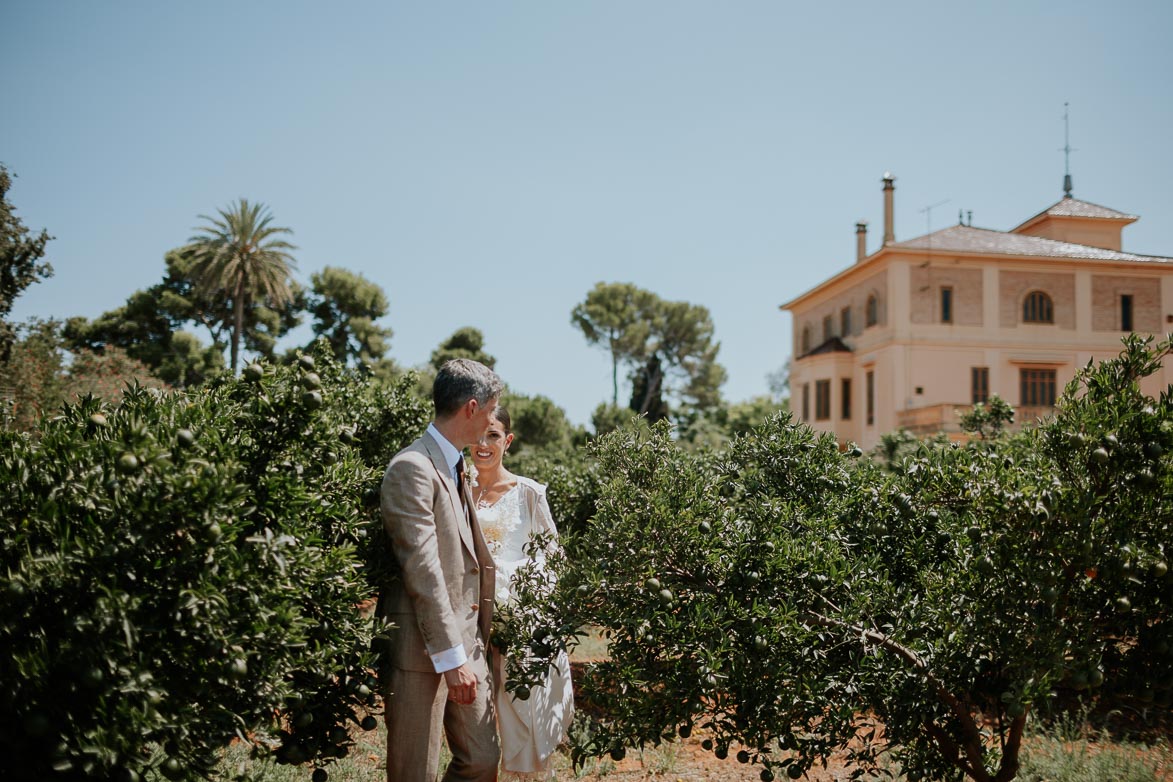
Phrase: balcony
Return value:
(1029, 415)
(946, 419)
(932, 419)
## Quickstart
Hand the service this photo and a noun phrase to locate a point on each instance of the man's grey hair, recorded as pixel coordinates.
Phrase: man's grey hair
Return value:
(462, 379)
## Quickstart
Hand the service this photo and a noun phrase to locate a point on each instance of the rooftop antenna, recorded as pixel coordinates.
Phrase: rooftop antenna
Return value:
(1067, 150)
(928, 210)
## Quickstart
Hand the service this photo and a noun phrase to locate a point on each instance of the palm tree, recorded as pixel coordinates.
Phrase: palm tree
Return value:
(240, 255)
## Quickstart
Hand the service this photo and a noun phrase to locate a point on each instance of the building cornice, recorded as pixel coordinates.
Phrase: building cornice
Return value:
(868, 264)
(883, 257)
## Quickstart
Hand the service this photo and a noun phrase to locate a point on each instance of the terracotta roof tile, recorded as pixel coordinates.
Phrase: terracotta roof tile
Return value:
(1073, 207)
(967, 239)
(832, 345)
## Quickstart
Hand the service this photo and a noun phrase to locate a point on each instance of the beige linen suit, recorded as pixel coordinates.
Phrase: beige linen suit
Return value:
(442, 598)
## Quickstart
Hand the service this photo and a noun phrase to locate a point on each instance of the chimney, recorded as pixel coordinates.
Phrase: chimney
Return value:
(889, 189)
(861, 241)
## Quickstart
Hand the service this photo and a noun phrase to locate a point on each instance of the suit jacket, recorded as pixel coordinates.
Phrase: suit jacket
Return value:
(443, 595)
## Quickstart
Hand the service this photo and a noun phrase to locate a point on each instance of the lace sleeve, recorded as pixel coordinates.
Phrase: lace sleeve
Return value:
(541, 520)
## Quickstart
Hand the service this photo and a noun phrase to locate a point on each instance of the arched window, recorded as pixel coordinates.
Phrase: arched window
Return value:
(806, 339)
(871, 311)
(1037, 308)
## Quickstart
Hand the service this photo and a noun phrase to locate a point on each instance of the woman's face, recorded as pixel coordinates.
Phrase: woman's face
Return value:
(487, 452)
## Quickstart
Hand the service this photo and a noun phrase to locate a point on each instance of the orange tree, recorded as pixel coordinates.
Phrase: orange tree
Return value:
(794, 600)
(182, 569)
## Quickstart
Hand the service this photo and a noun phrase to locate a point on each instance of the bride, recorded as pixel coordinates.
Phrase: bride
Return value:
(512, 510)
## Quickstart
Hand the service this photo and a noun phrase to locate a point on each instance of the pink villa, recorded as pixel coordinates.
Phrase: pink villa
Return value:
(917, 332)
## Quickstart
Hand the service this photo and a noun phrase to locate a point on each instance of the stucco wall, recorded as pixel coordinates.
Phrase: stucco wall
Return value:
(854, 297)
(943, 374)
(1146, 302)
(924, 293)
(1014, 285)
(1098, 233)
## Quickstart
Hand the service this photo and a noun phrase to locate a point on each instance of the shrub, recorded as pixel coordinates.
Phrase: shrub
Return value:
(186, 568)
(795, 599)
(572, 478)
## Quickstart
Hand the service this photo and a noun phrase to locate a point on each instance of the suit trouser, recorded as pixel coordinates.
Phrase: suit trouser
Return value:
(417, 709)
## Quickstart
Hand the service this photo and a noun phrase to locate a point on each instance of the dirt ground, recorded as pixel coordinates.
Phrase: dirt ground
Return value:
(683, 760)
(686, 761)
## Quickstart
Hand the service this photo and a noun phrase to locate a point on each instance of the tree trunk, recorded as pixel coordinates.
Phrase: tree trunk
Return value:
(614, 373)
(653, 390)
(650, 395)
(614, 380)
(972, 763)
(237, 322)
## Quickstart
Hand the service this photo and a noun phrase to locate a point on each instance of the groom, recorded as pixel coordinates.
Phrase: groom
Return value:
(441, 602)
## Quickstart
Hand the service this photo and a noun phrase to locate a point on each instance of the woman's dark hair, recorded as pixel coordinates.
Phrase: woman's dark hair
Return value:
(502, 416)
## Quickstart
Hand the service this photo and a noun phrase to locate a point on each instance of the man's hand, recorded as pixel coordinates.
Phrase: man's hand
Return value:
(462, 685)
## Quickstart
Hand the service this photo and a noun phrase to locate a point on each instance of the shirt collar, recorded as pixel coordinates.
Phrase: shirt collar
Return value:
(450, 451)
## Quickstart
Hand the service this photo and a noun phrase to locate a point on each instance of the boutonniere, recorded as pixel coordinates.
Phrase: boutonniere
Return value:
(470, 475)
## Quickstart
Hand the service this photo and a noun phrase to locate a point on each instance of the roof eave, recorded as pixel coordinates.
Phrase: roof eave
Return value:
(889, 249)
(1137, 257)
(1045, 215)
(786, 306)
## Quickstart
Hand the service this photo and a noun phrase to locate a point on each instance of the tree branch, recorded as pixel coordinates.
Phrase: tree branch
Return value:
(969, 729)
(1008, 769)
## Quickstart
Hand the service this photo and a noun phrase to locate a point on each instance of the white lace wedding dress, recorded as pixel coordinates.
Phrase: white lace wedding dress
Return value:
(531, 729)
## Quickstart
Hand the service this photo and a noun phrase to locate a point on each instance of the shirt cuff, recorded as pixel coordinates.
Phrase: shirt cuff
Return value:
(449, 659)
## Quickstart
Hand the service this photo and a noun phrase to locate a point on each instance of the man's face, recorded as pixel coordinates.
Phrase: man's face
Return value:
(479, 422)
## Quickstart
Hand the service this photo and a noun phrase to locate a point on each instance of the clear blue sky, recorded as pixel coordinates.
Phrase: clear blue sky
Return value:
(486, 163)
